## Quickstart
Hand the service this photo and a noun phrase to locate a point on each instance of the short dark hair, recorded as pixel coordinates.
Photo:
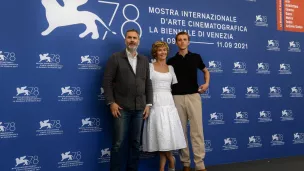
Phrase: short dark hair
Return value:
(133, 30)
(182, 33)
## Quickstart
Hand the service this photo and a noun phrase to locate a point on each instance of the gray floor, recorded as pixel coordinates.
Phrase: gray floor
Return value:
(283, 164)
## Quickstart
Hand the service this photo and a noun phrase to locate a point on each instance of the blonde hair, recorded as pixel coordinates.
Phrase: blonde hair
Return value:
(157, 45)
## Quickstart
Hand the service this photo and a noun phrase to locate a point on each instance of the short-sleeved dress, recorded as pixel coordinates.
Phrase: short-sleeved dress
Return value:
(162, 129)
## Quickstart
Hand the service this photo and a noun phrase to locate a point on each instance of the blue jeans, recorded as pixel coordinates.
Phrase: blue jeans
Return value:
(126, 127)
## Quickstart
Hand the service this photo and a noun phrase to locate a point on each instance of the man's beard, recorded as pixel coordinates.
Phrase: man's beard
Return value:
(133, 48)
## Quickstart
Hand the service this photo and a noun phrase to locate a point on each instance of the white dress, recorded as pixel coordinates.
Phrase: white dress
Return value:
(163, 129)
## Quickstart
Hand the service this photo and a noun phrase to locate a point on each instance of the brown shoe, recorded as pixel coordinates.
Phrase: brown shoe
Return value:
(202, 170)
(186, 168)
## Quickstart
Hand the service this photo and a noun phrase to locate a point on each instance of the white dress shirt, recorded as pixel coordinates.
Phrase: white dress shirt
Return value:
(132, 60)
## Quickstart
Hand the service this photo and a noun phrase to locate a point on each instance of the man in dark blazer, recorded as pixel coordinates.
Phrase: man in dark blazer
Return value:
(128, 92)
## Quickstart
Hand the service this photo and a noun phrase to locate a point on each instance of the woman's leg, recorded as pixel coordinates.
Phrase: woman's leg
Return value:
(162, 161)
(171, 159)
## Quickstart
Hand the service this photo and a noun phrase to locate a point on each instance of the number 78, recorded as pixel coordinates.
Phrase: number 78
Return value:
(127, 19)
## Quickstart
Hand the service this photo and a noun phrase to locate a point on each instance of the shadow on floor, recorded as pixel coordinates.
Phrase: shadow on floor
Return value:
(283, 164)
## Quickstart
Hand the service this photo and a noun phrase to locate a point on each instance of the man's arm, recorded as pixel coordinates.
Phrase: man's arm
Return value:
(203, 67)
(206, 75)
(109, 76)
(205, 86)
(149, 90)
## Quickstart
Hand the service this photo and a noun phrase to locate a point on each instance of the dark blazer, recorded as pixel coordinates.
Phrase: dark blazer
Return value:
(121, 85)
